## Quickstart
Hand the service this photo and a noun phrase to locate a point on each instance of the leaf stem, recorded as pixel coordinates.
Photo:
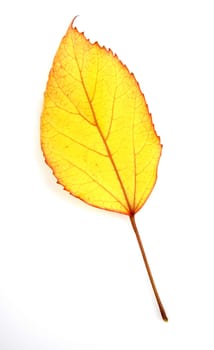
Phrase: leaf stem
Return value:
(160, 305)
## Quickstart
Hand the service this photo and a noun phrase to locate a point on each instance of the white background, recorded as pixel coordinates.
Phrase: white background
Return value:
(71, 276)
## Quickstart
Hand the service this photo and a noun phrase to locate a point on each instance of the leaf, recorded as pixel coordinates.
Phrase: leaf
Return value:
(97, 133)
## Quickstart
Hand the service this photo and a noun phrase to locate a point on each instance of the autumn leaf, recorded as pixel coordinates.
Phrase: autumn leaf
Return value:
(97, 133)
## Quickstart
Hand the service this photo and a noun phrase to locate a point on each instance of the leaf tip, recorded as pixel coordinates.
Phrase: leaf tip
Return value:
(73, 20)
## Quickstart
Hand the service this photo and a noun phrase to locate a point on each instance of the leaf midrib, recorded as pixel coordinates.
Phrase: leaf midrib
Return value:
(102, 137)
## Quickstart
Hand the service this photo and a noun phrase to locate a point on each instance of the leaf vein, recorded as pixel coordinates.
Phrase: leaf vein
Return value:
(104, 141)
(93, 180)
(77, 142)
(70, 100)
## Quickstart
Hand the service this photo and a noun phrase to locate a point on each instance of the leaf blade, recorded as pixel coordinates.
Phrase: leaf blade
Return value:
(96, 131)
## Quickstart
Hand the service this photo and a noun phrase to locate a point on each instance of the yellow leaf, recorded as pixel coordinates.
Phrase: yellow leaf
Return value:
(97, 133)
